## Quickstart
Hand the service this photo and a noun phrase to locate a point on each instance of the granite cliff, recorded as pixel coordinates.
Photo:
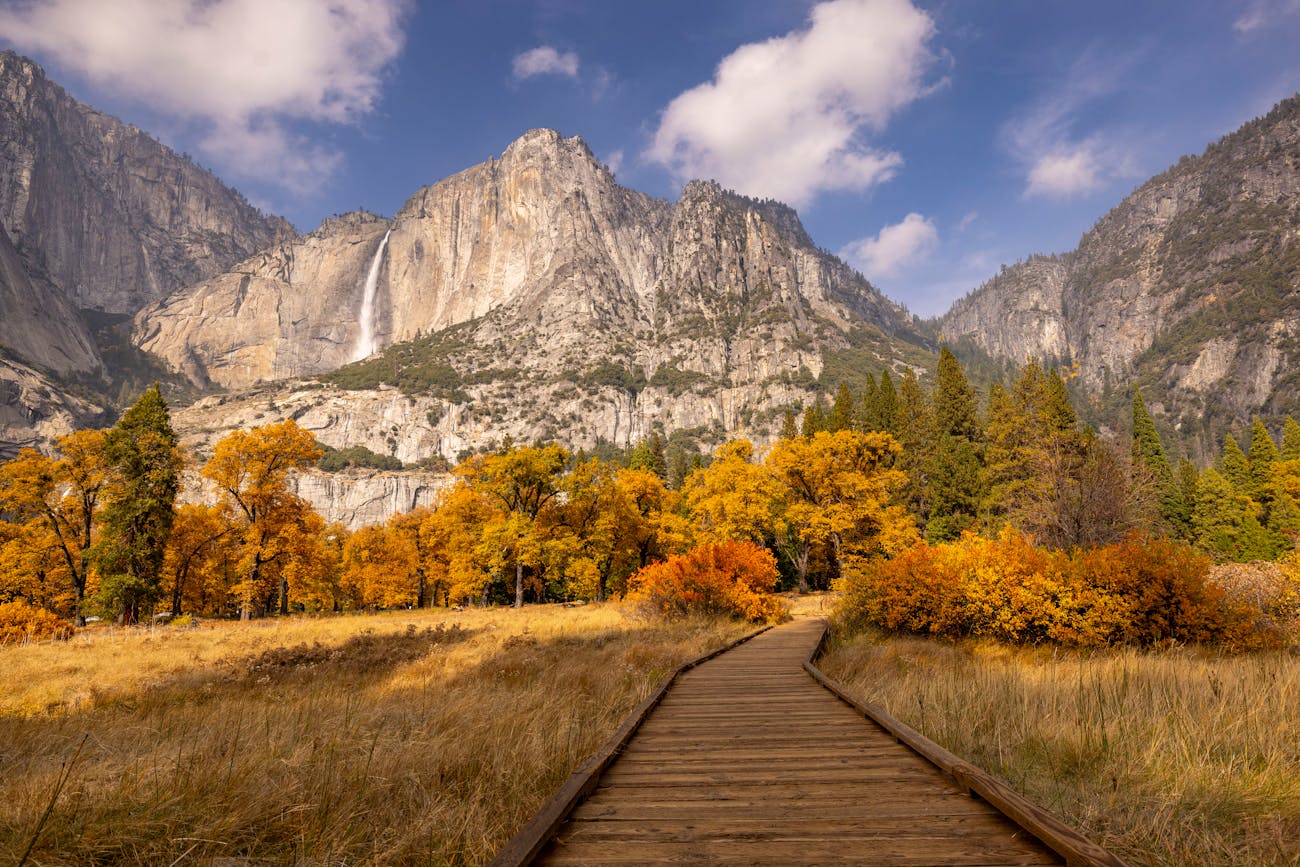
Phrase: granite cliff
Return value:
(532, 296)
(1190, 287)
(103, 211)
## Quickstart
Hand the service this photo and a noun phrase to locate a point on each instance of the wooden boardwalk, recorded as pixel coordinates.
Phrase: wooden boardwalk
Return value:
(747, 760)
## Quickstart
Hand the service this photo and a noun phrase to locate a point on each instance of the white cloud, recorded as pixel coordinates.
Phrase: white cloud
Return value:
(545, 60)
(967, 220)
(895, 248)
(245, 70)
(1058, 162)
(1068, 172)
(614, 161)
(788, 118)
(1262, 13)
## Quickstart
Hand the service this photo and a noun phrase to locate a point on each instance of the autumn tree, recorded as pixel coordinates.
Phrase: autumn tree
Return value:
(523, 482)
(835, 490)
(250, 469)
(65, 493)
(144, 463)
(732, 498)
(194, 557)
(377, 567)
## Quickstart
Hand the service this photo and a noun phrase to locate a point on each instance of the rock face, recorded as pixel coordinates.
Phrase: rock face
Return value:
(290, 310)
(38, 322)
(1191, 286)
(542, 239)
(104, 212)
(34, 411)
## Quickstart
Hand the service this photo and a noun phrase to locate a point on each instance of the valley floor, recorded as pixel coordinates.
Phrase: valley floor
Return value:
(1180, 756)
(420, 737)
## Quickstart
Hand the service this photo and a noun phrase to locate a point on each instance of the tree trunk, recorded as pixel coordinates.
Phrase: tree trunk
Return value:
(519, 584)
(801, 564)
(284, 595)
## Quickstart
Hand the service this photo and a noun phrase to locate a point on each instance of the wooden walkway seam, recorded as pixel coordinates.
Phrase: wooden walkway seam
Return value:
(749, 760)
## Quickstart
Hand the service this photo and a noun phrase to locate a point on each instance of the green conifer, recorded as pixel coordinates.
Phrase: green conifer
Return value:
(1290, 440)
(1235, 466)
(954, 400)
(789, 425)
(887, 404)
(1262, 456)
(814, 419)
(842, 415)
(1149, 453)
(869, 410)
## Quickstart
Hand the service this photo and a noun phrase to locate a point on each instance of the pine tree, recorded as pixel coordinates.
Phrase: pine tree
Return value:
(658, 460)
(842, 415)
(869, 410)
(954, 400)
(1006, 464)
(814, 419)
(1058, 413)
(1262, 456)
(1235, 466)
(1290, 440)
(1225, 522)
(914, 429)
(789, 426)
(1149, 453)
(138, 514)
(887, 404)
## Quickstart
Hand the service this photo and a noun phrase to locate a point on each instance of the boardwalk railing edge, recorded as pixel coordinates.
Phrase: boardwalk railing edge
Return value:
(1074, 847)
(533, 837)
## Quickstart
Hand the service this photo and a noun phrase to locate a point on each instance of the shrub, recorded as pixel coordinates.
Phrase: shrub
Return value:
(21, 622)
(733, 579)
(1140, 591)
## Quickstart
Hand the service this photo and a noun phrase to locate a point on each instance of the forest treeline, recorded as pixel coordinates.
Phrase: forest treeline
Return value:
(97, 529)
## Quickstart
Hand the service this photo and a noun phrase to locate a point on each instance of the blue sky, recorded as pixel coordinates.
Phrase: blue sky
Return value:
(926, 141)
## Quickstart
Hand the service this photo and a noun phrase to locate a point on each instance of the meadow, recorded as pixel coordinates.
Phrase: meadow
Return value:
(414, 737)
(1173, 756)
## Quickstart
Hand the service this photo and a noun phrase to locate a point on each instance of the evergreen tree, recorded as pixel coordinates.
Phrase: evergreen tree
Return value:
(814, 419)
(145, 463)
(914, 429)
(1149, 454)
(1284, 521)
(1262, 456)
(887, 404)
(1225, 522)
(1290, 440)
(1005, 459)
(956, 486)
(842, 415)
(1187, 488)
(658, 460)
(1235, 466)
(1058, 413)
(789, 426)
(869, 411)
(954, 400)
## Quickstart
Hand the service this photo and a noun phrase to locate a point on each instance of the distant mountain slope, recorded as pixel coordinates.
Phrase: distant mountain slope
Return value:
(1191, 286)
(104, 212)
(533, 296)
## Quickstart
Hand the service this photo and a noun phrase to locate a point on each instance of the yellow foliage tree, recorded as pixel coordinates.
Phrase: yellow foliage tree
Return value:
(732, 498)
(250, 469)
(835, 490)
(65, 494)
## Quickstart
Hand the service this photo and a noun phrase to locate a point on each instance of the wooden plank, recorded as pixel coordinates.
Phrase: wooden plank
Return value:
(533, 837)
(866, 851)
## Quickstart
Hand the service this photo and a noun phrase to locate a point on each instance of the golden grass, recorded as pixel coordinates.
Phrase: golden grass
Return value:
(409, 738)
(1181, 756)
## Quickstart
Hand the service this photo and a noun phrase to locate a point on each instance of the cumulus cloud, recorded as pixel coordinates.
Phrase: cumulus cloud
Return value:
(1059, 162)
(245, 70)
(788, 118)
(545, 60)
(894, 248)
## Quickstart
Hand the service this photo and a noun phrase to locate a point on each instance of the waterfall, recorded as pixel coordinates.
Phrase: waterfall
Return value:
(366, 337)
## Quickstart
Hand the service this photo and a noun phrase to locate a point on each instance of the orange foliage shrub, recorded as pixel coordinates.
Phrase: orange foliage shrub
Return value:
(733, 579)
(21, 622)
(1139, 591)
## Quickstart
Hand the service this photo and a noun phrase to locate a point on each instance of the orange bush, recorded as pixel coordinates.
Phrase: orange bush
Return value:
(21, 622)
(1139, 591)
(733, 579)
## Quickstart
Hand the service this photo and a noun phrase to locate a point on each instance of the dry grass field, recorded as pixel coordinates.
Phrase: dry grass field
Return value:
(1182, 756)
(423, 737)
